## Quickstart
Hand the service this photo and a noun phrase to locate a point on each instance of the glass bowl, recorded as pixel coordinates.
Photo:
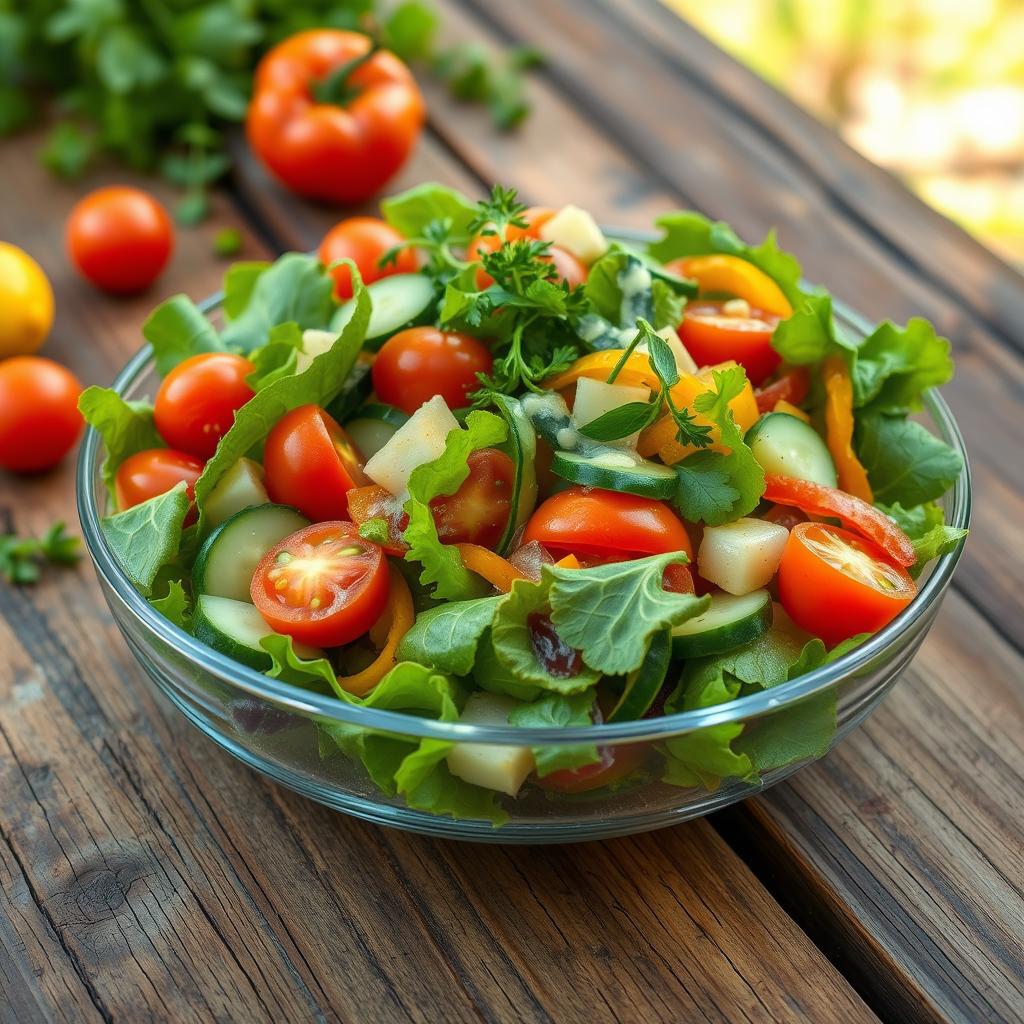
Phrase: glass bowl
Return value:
(274, 727)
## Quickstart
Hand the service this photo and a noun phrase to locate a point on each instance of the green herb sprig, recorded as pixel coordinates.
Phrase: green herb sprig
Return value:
(21, 558)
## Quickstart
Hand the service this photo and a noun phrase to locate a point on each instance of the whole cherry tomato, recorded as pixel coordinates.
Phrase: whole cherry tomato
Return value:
(363, 240)
(155, 471)
(39, 417)
(613, 765)
(836, 584)
(120, 239)
(421, 362)
(586, 521)
(324, 585)
(311, 464)
(477, 513)
(711, 335)
(332, 118)
(198, 399)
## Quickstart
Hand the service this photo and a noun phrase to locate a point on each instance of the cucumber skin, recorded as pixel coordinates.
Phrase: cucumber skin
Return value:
(610, 479)
(650, 678)
(763, 429)
(723, 638)
(205, 632)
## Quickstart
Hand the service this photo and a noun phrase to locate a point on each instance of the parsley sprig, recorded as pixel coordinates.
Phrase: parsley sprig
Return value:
(21, 557)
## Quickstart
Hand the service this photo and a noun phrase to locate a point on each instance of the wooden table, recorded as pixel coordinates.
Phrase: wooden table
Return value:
(146, 875)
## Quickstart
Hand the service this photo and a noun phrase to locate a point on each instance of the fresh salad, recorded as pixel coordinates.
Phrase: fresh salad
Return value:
(484, 463)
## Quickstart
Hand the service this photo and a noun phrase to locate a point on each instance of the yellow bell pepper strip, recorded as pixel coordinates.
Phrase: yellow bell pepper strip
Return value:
(839, 428)
(660, 437)
(637, 371)
(498, 571)
(731, 275)
(396, 621)
(568, 562)
(791, 410)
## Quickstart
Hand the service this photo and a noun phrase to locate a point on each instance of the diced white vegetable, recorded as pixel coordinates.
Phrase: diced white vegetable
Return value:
(314, 343)
(419, 440)
(741, 556)
(577, 232)
(484, 764)
(684, 361)
(240, 487)
(596, 397)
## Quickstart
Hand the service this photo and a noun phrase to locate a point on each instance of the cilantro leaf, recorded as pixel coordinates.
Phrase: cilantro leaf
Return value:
(126, 427)
(442, 566)
(926, 527)
(716, 487)
(557, 711)
(447, 636)
(146, 537)
(610, 612)
(177, 330)
(904, 462)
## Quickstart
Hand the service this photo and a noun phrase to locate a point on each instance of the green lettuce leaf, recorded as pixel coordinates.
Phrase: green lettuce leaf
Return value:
(146, 537)
(895, 365)
(558, 711)
(687, 233)
(411, 211)
(239, 282)
(126, 427)
(491, 674)
(177, 330)
(926, 527)
(610, 612)
(442, 567)
(447, 636)
(904, 462)
(810, 333)
(606, 289)
(711, 486)
(174, 605)
(278, 358)
(513, 643)
(295, 288)
(317, 384)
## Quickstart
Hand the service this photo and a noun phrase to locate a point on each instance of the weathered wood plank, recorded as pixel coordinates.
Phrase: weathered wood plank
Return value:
(160, 879)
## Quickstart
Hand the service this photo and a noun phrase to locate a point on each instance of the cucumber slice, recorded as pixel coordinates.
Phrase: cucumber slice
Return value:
(235, 628)
(375, 425)
(728, 622)
(787, 446)
(226, 562)
(522, 447)
(399, 301)
(644, 685)
(242, 486)
(616, 470)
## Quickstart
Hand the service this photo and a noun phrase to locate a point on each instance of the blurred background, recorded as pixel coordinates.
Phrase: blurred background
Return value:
(933, 90)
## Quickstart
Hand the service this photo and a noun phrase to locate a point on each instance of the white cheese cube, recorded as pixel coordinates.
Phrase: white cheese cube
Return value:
(495, 767)
(314, 343)
(240, 487)
(741, 556)
(419, 440)
(577, 232)
(596, 397)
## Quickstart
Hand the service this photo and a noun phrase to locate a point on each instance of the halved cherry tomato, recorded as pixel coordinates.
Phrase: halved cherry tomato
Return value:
(376, 502)
(712, 336)
(324, 585)
(791, 387)
(615, 764)
(39, 417)
(363, 240)
(678, 580)
(477, 513)
(836, 584)
(155, 471)
(311, 464)
(854, 513)
(198, 399)
(421, 362)
(586, 521)
(119, 238)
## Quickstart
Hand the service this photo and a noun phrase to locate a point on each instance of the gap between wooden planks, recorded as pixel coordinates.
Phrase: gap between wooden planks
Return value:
(144, 874)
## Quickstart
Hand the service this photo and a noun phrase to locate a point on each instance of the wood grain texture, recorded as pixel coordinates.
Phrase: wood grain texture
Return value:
(146, 875)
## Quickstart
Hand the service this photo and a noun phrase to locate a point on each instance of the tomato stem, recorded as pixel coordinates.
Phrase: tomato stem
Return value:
(336, 88)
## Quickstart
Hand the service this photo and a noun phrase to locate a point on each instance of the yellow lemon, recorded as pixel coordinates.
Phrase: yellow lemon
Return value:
(26, 303)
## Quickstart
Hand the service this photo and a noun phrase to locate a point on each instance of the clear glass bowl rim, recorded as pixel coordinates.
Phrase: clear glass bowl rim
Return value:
(255, 684)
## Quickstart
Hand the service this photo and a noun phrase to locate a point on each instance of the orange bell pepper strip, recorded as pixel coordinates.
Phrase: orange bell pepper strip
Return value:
(498, 571)
(731, 275)
(568, 562)
(791, 410)
(852, 476)
(396, 621)
(660, 437)
(636, 373)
